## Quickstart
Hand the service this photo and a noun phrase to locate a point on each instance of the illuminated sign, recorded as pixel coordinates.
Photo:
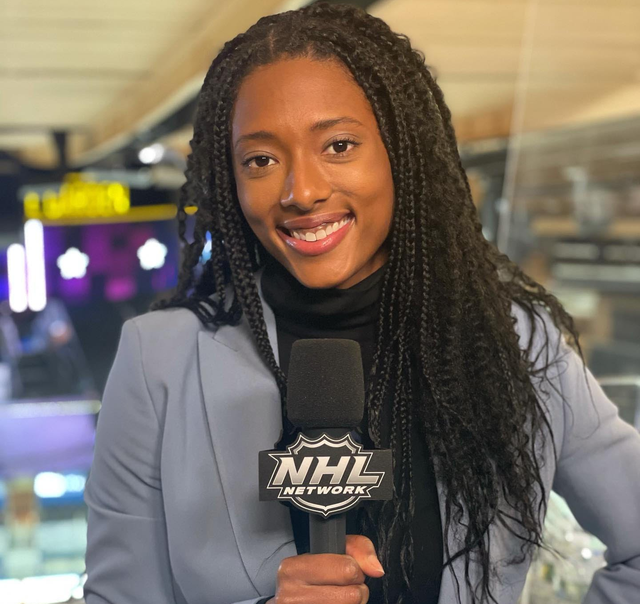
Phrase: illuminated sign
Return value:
(78, 199)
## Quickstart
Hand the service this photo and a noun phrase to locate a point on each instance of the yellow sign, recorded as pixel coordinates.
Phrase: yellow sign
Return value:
(78, 199)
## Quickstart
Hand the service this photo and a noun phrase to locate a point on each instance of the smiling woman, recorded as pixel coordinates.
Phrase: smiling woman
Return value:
(326, 174)
(322, 201)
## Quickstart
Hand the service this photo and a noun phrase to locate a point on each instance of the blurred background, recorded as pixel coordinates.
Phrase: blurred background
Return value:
(96, 108)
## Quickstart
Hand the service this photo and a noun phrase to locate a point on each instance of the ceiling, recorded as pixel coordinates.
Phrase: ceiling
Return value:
(526, 64)
(103, 69)
(106, 71)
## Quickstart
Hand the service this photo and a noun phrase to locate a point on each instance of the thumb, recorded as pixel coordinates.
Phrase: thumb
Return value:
(362, 550)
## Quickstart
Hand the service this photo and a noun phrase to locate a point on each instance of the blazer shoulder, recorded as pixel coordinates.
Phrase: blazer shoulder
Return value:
(169, 323)
(166, 336)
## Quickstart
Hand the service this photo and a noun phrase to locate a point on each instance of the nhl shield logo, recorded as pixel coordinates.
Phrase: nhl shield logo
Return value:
(325, 475)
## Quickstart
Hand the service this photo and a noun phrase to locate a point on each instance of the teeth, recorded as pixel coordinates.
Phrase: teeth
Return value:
(321, 232)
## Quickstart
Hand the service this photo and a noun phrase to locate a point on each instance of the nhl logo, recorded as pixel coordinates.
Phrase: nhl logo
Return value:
(325, 475)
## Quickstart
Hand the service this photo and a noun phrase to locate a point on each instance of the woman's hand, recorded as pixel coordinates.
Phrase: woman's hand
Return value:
(321, 578)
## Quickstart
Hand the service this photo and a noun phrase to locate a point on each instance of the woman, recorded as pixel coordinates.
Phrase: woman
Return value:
(324, 167)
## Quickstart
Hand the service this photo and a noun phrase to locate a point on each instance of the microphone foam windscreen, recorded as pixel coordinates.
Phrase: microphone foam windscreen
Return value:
(325, 384)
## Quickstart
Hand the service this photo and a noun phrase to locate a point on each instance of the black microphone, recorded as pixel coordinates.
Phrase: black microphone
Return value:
(325, 472)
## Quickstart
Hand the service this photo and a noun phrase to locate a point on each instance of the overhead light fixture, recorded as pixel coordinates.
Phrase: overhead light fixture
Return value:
(73, 264)
(17, 274)
(152, 254)
(36, 280)
(151, 154)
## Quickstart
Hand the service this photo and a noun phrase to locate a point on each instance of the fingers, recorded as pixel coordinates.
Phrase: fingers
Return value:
(335, 578)
(326, 569)
(362, 550)
(312, 594)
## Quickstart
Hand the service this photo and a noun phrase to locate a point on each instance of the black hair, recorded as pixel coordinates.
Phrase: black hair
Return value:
(445, 320)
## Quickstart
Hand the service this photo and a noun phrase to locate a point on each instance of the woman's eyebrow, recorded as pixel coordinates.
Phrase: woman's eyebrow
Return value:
(329, 123)
(264, 135)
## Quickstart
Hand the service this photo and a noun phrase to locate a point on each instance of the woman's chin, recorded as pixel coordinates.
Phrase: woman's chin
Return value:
(319, 282)
(319, 279)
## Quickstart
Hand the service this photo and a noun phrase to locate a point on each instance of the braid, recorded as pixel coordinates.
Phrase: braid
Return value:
(445, 336)
(245, 286)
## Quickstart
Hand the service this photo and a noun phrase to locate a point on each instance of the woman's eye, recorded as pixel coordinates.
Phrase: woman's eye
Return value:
(341, 144)
(257, 159)
(262, 161)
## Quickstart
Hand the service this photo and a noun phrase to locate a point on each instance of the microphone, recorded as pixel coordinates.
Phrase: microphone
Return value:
(325, 472)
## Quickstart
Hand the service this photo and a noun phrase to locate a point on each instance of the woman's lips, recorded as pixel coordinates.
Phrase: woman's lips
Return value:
(321, 246)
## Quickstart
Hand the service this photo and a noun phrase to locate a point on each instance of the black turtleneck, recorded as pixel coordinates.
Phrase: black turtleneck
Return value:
(351, 313)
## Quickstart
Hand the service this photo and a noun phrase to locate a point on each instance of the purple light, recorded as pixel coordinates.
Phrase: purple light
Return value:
(78, 290)
(120, 288)
(114, 272)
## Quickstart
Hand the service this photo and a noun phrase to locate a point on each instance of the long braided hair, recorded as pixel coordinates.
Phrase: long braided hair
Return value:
(445, 318)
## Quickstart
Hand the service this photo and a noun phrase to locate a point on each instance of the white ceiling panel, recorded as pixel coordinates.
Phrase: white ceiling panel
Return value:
(559, 61)
(68, 63)
(63, 62)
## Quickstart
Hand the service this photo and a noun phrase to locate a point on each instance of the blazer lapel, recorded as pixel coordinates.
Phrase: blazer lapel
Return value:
(242, 403)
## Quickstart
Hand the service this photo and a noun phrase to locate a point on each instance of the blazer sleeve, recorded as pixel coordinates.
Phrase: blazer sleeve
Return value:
(127, 553)
(598, 474)
(127, 557)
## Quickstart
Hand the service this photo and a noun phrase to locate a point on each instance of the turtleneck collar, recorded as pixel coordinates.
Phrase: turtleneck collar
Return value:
(305, 309)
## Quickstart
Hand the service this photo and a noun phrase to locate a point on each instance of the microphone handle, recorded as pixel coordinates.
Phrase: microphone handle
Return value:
(327, 535)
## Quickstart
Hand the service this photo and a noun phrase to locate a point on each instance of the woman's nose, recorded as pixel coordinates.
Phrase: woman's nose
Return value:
(304, 186)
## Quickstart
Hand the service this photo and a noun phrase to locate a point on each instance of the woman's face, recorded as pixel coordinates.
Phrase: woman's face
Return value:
(313, 176)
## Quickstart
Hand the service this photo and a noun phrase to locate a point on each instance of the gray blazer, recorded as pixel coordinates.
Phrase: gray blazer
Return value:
(174, 516)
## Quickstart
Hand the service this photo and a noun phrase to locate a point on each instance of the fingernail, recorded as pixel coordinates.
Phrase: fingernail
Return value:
(376, 563)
